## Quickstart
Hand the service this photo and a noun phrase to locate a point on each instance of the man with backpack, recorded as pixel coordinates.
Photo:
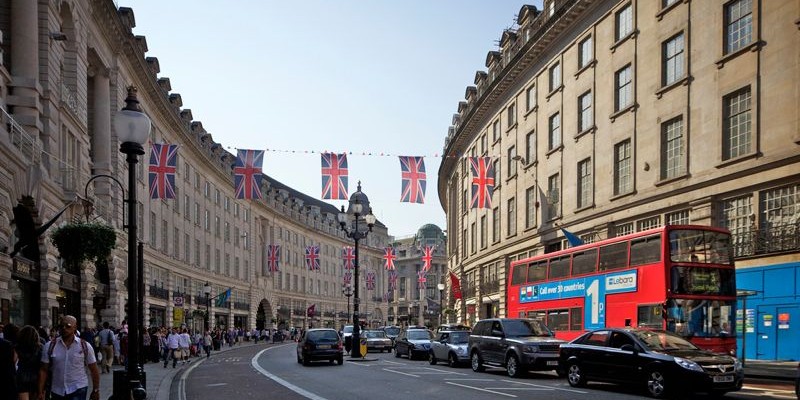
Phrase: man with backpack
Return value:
(106, 347)
(65, 360)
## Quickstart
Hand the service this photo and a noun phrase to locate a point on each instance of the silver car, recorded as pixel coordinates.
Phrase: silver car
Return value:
(450, 346)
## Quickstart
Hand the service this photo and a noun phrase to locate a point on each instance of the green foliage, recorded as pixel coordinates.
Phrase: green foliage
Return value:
(79, 242)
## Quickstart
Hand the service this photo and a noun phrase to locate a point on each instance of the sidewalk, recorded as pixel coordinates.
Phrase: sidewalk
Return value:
(775, 370)
(159, 379)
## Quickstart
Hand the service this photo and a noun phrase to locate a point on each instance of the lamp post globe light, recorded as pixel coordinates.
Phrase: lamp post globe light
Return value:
(133, 129)
(347, 291)
(440, 286)
(356, 228)
(207, 291)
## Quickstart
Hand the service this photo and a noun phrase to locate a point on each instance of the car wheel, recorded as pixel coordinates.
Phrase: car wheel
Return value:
(432, 358)
(452, 360)
(512, 367)
(396, 352)
(410, 354)
(575, 375)
(656, 384)
(476, 362)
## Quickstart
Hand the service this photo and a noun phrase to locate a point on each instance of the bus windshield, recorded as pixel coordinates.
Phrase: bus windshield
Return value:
(699, 246)
(703, 318)
(702, 280)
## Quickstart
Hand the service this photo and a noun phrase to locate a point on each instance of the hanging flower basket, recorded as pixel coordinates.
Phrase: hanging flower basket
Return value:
(79, 242)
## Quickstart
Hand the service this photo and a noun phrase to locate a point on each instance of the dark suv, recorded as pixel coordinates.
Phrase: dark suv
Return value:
(517, 344)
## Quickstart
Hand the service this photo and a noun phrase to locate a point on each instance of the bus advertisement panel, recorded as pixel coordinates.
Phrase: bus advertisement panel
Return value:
(678, 278)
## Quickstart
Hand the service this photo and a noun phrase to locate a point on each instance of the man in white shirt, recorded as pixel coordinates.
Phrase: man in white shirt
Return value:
(69, 357)
(185, 341)
(173, 342)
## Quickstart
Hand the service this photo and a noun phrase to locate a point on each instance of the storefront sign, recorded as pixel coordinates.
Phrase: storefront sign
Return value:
(783, 321)
(750, 320)
(767, 318)
(177, 316)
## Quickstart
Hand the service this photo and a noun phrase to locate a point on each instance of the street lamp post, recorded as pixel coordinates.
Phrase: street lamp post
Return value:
(133, 129)
(207, 291)
(347, 291)
(357, 231)
(440, 286)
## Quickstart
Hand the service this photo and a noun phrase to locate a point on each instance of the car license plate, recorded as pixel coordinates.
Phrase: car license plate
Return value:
(324, 346)
(554, 362)
(723, 378)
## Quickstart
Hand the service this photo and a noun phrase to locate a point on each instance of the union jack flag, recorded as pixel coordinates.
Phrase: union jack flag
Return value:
(247, 174)
(393, 280)
(482, 181)
(349, 257)
(370, 280)
(389, 255)
(348, 277)
(163, 164)
(412, 172)
(427, 257)
(273, 257)
(312, 258)
(421, 279)
(334, 176)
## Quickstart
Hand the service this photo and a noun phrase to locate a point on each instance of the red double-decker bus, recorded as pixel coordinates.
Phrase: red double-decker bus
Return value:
(679, 278)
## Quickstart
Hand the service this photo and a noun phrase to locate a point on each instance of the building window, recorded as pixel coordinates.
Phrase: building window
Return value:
(530, 207)
(624, 229)
(217, 196)
(530, 98)
(207, 189)
(677, 218)
(585, 52)
(186, 207)
(496, 130)
(779, 210)
(667, 3)
(624, 89)
(164, 236)
(512, 163)
(217, 227)
(484, 145)
(207, 221)
(512, 217)
(153, 229)
(622, 168)
(672, 52)
(585, 183)
(187, 251)
(511, 113)
(554, 132)
(738, 25)
(496, 165)
(624, 23)
(673, 160)
(555, 76)
(496, 224)
(473, 233)
(530, 147)
(551, 8)
(553, 196)
(737, 135)
(197, 253)
(217, 261)
(484, 231)
(736, 214)
(648, 223)
(585, 112)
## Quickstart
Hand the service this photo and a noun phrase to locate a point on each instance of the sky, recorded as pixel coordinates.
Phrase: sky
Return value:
(375, 79)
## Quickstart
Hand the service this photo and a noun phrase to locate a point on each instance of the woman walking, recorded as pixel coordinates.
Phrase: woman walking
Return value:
(29, 352)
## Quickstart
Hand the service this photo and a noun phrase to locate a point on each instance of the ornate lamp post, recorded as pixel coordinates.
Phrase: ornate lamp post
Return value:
(440, 286)
(133, 129)
(357, 230)
(207, 291)
(347, 291)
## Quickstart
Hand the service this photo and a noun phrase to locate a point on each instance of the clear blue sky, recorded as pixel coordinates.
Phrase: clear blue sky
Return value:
(342, 76)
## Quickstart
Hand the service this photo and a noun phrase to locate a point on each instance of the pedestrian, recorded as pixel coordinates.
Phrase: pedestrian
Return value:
(173, 343)
(207, 341)
(106, 347)
(185, 343)
(29, 352)
(66, 359)
(8, 385)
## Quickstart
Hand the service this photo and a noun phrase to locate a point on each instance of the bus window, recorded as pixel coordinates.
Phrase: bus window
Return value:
(537, 271)
(559, 267)
(705, 318)
(614, 256)
(702, 280)
(584, 262)
(649, 316)
(539, 315)
(576, 319)
(698, 246)
(646, 250)
(558, 320)
(519, 275)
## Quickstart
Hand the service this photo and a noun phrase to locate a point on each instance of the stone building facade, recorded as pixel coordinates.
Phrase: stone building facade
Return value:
(612, 117)
(65, 66)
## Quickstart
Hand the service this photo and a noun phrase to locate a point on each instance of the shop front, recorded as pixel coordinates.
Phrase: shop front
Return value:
(158, 316)
(240, 321)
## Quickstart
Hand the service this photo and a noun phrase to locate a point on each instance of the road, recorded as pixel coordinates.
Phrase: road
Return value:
(256, 372)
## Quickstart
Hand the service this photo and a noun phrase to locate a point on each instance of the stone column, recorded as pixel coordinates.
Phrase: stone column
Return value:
(25, 65)
(101, 138)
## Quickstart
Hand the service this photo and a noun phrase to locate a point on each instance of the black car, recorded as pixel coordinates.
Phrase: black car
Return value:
(663, 362)
(320, 344)
(413, 342)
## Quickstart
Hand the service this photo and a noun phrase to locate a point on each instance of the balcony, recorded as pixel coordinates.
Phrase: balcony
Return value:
(240, 305)
(766, 240)
(490, 287)
(159, 293)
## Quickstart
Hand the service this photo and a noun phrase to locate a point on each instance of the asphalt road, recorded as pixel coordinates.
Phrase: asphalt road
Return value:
(259, 372)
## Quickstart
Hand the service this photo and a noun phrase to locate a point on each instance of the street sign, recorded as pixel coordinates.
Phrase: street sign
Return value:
(363, 348)
(178, 300)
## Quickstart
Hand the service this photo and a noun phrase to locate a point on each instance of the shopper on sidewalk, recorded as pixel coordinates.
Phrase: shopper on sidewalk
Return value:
(64, 356)
(173, 343)
(106, 347)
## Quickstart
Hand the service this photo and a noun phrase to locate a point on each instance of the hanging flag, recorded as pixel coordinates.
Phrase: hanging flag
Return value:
(348, 277)
(221, 299)
(370, 280)
(427, 258)
(334, 176)
(421, 279)
(247, 174)
(389, 255)
(455, 285)
(482, 181)
(348, 257)
(412, 172)
(393, 280)
(310, 310)
(433, 305)
(571, 238)
(312, 258)
(163, 164)
(386, 297)
(274, 257)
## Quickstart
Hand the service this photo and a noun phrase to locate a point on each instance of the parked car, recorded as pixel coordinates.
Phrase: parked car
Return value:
(413, 341)
(377, 340)
(516, 344)
(663, 362)
(320, 344)
(453, 327)
(797, 382)
(391, 332)
(450, 346)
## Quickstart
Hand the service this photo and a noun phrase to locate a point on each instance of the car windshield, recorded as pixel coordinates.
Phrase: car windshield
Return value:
(663, 341)
(392, 331)
(459, 337)
(322, 335)
(525, 327)
(375, 334)
(348, 329)
(419, 335)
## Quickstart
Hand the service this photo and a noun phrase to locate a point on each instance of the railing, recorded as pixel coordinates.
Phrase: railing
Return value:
(240, 305)
(768, 239)
(159, 293)
(27, 145)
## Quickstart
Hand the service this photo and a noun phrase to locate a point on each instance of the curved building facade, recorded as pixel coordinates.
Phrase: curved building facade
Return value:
(65, 68)
(612, 117)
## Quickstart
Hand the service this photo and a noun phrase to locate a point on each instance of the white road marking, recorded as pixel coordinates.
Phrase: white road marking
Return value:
(182, 381)
(545, 386)
(296, 389)
(216, 384)
(481, 389)
(401, 373)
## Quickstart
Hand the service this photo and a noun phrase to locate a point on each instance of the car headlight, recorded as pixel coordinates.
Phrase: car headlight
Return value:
(530, 349)
(690, 365)
(737, 365)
